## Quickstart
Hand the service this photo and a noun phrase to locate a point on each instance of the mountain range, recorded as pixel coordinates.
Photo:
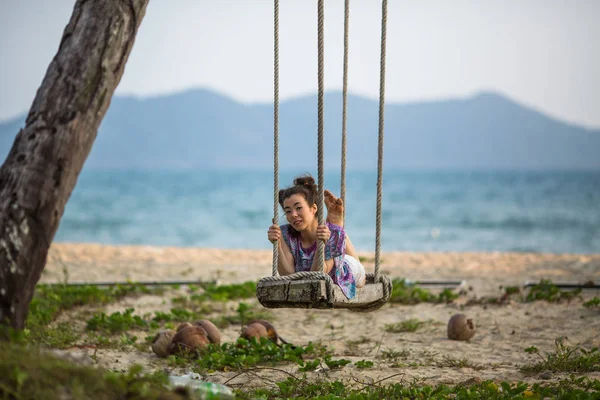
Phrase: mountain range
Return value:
(203, 129)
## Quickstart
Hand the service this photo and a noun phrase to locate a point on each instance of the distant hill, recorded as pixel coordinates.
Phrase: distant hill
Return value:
(200, 128)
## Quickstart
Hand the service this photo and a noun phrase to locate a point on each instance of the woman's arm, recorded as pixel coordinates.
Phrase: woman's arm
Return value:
(323, 234)
(316, 265)
(286, 265)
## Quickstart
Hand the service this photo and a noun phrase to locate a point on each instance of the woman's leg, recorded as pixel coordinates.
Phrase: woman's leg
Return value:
(358, 270)
(335, 208)
(335, 215)
(350, 250)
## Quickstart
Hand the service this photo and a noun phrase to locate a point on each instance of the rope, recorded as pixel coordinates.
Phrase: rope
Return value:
(387, 293)
(380, 141)
(276, 133)
(344, 107)
(321, 244)
(319, 275)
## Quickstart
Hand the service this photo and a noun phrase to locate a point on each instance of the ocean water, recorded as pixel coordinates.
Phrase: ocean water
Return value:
(556, 212)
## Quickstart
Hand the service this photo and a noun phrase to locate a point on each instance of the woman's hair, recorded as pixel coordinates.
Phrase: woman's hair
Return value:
(304, 185)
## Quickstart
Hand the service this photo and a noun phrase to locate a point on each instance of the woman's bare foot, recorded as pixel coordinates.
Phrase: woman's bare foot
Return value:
(335, 208)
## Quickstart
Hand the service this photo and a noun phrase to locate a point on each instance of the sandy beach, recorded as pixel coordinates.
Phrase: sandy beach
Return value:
(495, 352)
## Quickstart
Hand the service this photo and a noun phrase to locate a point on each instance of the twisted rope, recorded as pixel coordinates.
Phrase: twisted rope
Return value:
(380, 141)
(344, 107)
(321, 244)
(387, 293)
(319, 275)
(276, 133)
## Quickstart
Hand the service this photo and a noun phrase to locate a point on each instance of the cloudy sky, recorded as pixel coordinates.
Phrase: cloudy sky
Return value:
(541, 53)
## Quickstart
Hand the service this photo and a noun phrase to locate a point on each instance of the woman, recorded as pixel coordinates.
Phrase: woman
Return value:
(298, 248)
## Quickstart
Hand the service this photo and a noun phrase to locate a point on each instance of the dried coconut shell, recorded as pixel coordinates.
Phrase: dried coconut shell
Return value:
(189, 339)
(271, 331)
(460, 327)
(254, 330)
(183, 325)
(161, 342)
(214, 335)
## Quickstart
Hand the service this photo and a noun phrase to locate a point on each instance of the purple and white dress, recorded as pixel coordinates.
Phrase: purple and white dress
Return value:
(335, 248)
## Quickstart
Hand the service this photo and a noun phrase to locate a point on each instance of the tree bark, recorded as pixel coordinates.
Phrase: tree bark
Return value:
(41, 170)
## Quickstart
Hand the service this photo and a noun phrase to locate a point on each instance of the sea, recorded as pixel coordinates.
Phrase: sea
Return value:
(422, 211)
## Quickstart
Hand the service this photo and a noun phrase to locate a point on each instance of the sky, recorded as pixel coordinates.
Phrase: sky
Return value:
(540, 53)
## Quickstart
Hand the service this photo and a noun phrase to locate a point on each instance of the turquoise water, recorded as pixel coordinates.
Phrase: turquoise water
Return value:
(557, 212)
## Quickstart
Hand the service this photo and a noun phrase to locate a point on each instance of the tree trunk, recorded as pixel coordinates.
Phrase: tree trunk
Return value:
(41, 170)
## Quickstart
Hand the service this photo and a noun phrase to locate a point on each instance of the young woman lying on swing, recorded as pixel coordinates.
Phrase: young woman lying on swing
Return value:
(298, 248)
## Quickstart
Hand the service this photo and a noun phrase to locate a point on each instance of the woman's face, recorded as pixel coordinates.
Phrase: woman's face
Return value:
(298, 213)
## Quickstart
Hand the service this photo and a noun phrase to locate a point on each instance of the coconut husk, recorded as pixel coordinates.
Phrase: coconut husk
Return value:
(271, 331)
(214, 335)
(161, 342)
(460, 327)
(254, 330)
(189, 339)
(183, 325)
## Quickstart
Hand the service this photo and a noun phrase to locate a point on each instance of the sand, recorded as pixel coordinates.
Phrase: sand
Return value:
(495, 352)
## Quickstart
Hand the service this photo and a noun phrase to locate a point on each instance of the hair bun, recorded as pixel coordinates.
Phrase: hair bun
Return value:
(303, 185)
(305, 180)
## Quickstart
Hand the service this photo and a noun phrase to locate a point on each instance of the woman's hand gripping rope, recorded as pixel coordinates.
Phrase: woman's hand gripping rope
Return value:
(274, 233)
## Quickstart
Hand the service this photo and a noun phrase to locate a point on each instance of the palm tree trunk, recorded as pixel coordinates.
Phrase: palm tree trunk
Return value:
(41, 169)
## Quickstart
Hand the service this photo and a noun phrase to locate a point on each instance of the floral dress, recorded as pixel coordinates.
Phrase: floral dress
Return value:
(334, 248)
